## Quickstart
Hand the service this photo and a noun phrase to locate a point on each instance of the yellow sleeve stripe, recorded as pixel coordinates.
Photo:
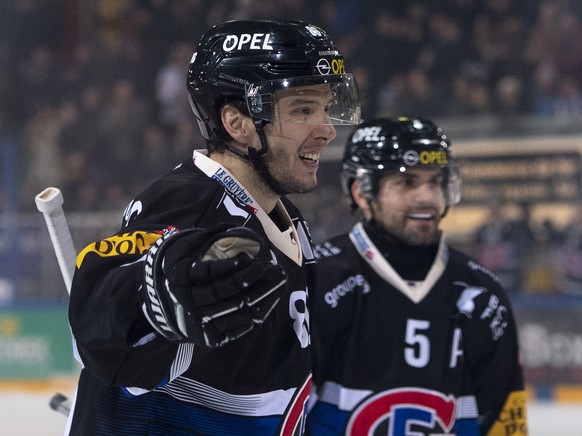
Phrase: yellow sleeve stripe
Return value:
(118, 245)
(513, 417)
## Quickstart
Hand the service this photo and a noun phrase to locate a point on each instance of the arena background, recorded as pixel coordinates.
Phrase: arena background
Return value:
(92, 100)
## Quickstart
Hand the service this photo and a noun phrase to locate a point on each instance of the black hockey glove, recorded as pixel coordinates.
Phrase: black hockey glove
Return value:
(207, 287)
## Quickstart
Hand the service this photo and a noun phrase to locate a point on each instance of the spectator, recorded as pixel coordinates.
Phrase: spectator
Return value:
(470, 96)
(503, 244)
(509, 101)
(154, 157)
(568, 103)
(569, 253)
(392, 45)
(169, 89)
(121, 121)
(39, 75)
(444, 50)
(542, 94)
(41, 150)
(422, 96)
(499, 31)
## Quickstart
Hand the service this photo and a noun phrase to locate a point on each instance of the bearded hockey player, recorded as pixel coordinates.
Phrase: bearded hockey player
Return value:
(192, 319)
(410, 336)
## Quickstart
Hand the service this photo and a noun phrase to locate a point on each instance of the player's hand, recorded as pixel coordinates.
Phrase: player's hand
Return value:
(206, 286)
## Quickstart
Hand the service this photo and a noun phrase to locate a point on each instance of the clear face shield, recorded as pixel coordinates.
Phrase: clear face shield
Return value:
(430, 153)
(452, 185)
(315, 100)
(368, 179)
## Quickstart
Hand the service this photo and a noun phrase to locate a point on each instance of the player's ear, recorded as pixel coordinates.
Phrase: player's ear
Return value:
(239, 126)
(358, 196)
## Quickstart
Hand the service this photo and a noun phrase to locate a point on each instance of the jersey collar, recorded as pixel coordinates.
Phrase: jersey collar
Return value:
(287, 240)
(415, 291)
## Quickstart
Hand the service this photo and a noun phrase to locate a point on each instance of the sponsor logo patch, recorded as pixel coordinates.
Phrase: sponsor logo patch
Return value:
(246, 41)
(398, 409)
(119, 245)
(347, 286)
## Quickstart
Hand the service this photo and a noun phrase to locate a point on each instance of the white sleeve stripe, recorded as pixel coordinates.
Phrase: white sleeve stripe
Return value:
(179, 366)
(263, 404)
(182, 360)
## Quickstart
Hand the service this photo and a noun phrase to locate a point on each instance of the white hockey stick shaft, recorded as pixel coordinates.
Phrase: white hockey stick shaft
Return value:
(50, 202)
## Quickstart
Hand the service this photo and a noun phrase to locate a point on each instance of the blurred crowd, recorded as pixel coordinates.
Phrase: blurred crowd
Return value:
(92, 96)
(536, 258)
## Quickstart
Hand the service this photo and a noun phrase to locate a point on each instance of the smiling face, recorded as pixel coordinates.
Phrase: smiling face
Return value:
(409, 205)
(298, 134)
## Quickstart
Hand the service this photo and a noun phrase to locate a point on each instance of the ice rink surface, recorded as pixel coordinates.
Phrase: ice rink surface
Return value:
(29, 414)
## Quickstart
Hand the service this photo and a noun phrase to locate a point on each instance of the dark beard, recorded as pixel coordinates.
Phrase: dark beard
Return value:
(281, 184)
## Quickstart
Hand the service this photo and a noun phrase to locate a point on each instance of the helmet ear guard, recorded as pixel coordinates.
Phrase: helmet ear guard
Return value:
(368, 184)
(204, 122)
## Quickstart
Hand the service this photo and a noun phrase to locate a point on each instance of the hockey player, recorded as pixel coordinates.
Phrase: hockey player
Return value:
(410, 336)
(192, 318)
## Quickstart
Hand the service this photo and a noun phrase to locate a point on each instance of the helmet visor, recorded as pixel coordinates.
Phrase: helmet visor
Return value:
(368, 177)
(331, 99)
(453, 185)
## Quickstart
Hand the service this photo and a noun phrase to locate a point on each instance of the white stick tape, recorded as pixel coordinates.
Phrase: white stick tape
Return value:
(50, 202)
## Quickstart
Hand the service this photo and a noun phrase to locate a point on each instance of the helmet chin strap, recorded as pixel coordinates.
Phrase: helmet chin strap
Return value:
(372, 221)
(255, 156)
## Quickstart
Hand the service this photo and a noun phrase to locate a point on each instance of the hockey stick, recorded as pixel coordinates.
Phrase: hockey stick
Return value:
(60, 403)
(50, 202)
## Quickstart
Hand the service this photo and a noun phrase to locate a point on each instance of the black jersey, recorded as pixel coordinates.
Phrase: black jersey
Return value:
(134, 382)
(392, 357)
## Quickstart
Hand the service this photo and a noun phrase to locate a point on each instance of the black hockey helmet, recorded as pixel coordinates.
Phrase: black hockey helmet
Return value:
(248, 61)
(397, 144)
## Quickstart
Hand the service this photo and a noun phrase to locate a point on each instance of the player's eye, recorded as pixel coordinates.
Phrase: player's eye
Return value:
(303, 111)
(405, 181)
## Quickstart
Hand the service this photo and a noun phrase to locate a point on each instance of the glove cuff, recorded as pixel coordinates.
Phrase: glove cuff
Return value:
(157, 311)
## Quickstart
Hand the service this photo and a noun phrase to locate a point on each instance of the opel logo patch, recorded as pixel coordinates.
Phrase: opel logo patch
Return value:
(323, 67)
(410, 158)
